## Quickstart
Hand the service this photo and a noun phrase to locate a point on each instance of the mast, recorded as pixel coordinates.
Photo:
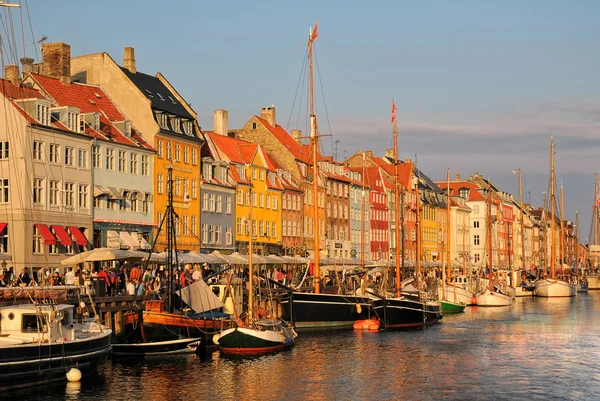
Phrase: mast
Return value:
(552, 203)
(250, 266)
(170, 236)
(314, 142)
(449, 231)
(577, 238)
(562, 227)
(418, 234)
(489, 237)
(362, 216)
(522, 220)
(595, 212)
(397, 200)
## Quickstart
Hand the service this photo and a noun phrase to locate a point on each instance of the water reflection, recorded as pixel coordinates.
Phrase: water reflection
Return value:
(538, 348)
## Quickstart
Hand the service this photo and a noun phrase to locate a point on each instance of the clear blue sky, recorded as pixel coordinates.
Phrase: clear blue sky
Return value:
(479, 85)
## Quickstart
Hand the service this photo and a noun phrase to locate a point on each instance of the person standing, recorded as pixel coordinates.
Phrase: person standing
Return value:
(70, 277)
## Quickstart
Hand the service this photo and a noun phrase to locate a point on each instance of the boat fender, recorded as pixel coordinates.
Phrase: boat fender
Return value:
(216, 339)
(74, 375)
(358, 309)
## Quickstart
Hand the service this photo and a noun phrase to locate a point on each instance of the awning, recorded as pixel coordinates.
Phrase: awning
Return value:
(113, 240)
(62, 235)
(79, 237)
(114, 193)
(49, 238)
(128, 240)
(99, 191)
(2, 227)
(143, 243)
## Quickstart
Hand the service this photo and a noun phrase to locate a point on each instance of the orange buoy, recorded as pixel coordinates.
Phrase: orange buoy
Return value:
(367, 325)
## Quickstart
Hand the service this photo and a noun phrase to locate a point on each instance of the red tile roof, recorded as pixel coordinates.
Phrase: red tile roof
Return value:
(299, 151)
(89, 99)
(455, 186)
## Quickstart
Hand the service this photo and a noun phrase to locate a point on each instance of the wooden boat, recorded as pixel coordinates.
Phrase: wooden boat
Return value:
(403, 313)
(41, 343)
(451, 307)
(183, 345)
(493, 298)
(552, 286)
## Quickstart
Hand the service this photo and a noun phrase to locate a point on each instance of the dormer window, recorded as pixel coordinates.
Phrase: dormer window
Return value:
(128, 128)
(176, 124)
(188, 128)
(96, 123)
(243, 173)
(464, 193)
(43, 114)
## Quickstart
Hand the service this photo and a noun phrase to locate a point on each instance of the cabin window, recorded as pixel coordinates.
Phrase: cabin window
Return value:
(32, 323)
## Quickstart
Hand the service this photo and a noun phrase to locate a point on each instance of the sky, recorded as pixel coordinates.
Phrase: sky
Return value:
(480, 86)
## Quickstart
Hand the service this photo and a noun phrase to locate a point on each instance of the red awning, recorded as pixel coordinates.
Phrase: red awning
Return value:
(79, 237)
(63, 235)
(49, 238)
(2, 227)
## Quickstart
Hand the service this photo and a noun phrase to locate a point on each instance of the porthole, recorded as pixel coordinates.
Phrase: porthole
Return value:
(11, 316)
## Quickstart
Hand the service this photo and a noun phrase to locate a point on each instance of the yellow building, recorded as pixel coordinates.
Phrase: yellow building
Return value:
(258, 193)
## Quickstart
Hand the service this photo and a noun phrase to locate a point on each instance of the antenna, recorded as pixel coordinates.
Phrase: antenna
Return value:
(41, 43)
(335, 147)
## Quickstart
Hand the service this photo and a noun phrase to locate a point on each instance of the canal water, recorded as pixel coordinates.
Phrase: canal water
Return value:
(538, 349)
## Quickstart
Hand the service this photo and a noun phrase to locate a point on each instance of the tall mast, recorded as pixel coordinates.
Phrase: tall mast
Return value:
(562, 227)
(418, 234)
(250, 266)
(397, 200)
(449, 231)
(552, 203)
(170, 229)
(489, 237)
(595, 212)
(577, 238)
(314, 141)
(362, 216)
(522, 220)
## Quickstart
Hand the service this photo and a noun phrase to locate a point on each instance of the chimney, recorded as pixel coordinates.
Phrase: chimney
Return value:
(27, 64)
(221, 122)
(129, 59)
(457, 177)
(57, 61)
(389, 153)
(268, 113)
(11, 74)
(297, 135)
(369, 153)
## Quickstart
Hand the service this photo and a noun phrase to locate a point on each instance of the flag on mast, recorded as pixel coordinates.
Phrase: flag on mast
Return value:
(315, 32)
(597, 202)
(393, 111)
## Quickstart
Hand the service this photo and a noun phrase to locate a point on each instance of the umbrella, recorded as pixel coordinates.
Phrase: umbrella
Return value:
(98, 254)
(273, 259)
(236, 259)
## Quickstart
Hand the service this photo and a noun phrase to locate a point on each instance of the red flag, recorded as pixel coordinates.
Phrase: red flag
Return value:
(315, 33)
(597, 202)
(393, 112)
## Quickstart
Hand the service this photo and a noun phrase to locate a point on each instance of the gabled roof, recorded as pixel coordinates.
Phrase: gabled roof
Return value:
(299, 151)
(236, 150)
(455, 186)
(90, 99)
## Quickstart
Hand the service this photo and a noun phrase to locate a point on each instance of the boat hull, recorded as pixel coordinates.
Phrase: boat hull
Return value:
(462, 296)
(554, 288)
(153, 348)
(490, 299)
(451, 307)
(521, 291)
(247, 342)
(593, 282)
(306, 311)
(28, 364)
(402, 313)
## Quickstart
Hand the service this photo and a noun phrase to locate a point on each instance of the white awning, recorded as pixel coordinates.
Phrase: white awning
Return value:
(99, 191)
(113, 240)
(128, 240)
(142, 243)
(114, 193)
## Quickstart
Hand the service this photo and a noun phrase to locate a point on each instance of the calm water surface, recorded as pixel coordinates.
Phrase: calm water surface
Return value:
(540, 349)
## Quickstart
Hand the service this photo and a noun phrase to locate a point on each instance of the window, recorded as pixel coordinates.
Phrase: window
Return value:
(145, 203)
(169, 151)
(218, 235)
(194, 189)
(274, 230)
(186, 226)
(267, 228)
(186, 154)
(177, 186)
(475, 224)
(122, 204)
(476, 240)
(177, 152)
(240, 197)
(43, 114)
(159, 148)
(133, 163)
(98, 202)
(186, 188)
(204, 233)
(134, 202)
(54, 155)
(254, 174)
(122, 163)
(96, 157)
(228, 204)
(261, 200)
(261, 229)
(159, 184)
(194, 226)
(211, 203)
(247, 198)
(253, 227)
(38, 148)
(204, 202)
(38, 241)
(228, 236)
(187, 126)
(4, 241)
(69, 200)
(194, 156)
(82, 158)
(83, 196)
(110, 159)
(261, 175)
(268, 205)
(176, 124)
(476, 209)
(53, 192)
(274, 203)
(145, 166)
(219, 205)
(239, 225)
(159, 217)
(477, 257)
(254, 199)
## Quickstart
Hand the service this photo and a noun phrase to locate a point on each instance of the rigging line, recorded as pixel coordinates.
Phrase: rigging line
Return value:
(22, 31)
(31, 28)
(303, 86)
(297, 88)
(323, 95)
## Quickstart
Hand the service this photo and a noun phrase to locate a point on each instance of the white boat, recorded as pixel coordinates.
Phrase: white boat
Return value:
(593, 282)
(548, 287)
(41, 343)
(493, 298)
(520, 291)
(463, 296)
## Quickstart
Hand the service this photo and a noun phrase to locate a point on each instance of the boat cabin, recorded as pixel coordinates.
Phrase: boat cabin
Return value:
(36, 323)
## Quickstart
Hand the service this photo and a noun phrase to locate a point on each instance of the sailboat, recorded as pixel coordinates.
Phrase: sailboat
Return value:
(591, 275)
(161, 328)
(551, 286)
(317, 310)
(489, 296)
(402, 311)
(450, 304)
(258, 335)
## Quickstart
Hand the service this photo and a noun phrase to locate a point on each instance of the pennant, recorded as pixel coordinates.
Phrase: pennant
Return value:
(597, 202)
(315, 32)
(393, 111)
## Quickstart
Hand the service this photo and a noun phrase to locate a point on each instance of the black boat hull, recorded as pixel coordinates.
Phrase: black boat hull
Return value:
(403, 313)
(179, 346)
(306, 311)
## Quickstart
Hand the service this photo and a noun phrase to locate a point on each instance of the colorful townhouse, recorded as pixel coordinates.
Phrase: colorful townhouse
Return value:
(258, 194)
(156, 109)
(337, 202)
(359, 213)
(45, 177)
(121, 162)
